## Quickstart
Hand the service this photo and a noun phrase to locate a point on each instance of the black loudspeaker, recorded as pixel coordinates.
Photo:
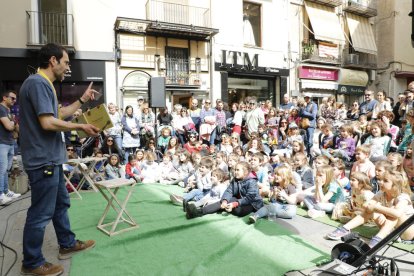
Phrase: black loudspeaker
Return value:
(156, 87)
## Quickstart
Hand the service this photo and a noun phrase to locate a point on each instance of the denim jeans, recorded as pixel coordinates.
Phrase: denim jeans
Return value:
(6, 160)
(195, 195)
(50, 201)
(286, 211)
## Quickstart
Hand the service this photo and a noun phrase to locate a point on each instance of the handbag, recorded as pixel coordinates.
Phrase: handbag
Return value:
(305, 122)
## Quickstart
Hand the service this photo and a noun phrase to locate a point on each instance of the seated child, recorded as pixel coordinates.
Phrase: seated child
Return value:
(132, 170)
(344, 147)
(327, 193)
(361, 193)
(219, 185)
(113, 168)
(241, 196)
(389, 208)
(149, 169)
(261, 173)
(300, 163)
(282, 196)
(221, 161)
(339, 174)
(362, 163)
(380, 168)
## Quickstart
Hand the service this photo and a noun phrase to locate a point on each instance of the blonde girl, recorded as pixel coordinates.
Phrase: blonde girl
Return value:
(282, 196)
(297, 147)
(300, 162)
(361, 193)
(150, 168)
(379, 141)
(226, 146)
(328, 192)
(139, 157)
(389, 208)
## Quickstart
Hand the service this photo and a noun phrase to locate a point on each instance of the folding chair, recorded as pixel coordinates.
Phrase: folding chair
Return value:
(109, 190)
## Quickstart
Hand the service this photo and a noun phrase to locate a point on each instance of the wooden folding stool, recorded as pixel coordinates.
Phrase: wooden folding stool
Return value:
(109, 189)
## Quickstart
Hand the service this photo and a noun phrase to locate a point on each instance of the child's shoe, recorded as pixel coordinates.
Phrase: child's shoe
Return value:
(253, 219)
(337, 234)
(313, 213)
(176, 200)
(193, 211)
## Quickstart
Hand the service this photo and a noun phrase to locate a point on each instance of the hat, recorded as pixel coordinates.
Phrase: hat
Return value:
(140, 98)
(306, 95)
(293, 125)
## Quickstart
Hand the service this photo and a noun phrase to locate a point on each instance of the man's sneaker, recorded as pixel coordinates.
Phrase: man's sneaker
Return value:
(193, 211)
(252, 219)
(181, 184)
(45, 269)
(80, 246)
(176, 200)
(337, 234)
(12, 195)
(4, 200)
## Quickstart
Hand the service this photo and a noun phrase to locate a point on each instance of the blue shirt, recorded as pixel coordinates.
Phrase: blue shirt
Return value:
(39, 147)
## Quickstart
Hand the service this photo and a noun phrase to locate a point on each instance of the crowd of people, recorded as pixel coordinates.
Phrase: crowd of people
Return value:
(352, 163)
(249, 158)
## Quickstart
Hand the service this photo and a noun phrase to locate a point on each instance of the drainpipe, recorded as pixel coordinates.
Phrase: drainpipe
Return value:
(119, 93)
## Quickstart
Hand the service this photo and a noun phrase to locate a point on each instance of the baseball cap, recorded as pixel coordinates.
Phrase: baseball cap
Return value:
(140, 98)
(293, 125)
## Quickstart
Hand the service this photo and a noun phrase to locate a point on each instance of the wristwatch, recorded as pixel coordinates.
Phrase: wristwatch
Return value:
(80, 100)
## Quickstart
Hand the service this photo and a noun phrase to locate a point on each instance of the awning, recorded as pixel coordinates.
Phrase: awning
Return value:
(353, 77)
(362, 36)
(315, 84)
(325, 23)
(404, 74)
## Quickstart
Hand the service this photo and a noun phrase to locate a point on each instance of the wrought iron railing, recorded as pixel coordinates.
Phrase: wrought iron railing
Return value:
(177, 13)
(48, 27)
(177, 71)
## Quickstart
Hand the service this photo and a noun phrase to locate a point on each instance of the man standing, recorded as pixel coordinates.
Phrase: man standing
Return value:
(194, 112)
(43, 153)
(309, 110)
(286, 105)
(7, 127)
(254, 117)
(368, 105)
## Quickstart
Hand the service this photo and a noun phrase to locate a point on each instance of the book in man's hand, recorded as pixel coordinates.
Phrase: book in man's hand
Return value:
(97, 116)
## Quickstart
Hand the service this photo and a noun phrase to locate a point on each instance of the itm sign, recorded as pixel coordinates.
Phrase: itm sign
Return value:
(231, 59)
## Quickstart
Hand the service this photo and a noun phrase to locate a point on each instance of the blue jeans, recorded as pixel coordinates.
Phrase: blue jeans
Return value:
(309, 139)
(195, 195)
(286, 211)
(50, 201)
(6, 160)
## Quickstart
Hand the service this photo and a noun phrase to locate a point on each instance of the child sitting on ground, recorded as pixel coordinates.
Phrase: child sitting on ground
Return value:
(113, 169)
(282, 196)
(221, 161)
(241, 196)
(379, 140)
(219, 183)
(344, 147)
(260, 173)
(380, 168)
(327, 193)
(361, 193)
(149, 169)
(165, 168)
(338, 167)
(132, 170)
(362, 163)
(301, 165)
(389, 208)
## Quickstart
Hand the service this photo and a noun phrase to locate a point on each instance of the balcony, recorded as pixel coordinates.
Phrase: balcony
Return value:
(177, 73)
(321, 53)
(329, 3)
(46, 27)
(360, 7)
(358, 60)
(165, 19)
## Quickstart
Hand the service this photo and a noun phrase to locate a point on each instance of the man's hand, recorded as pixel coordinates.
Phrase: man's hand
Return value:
(91, 130)
(89, 93)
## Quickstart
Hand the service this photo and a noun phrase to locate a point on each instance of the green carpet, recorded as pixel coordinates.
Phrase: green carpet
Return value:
(168, 244)
(364, 230)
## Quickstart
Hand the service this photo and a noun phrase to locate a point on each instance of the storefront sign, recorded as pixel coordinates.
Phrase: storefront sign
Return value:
(353, 78)
(271, 70)
(233, 58)
(349, 89)
(318, 73)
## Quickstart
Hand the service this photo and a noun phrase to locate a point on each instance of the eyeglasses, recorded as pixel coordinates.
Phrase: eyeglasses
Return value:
(12, 98)
(151, 143)
(207, 102)
(252, 103)
(192, 136)
(367, 95)
(110, 140)
(355, 104)
(70, 149)
(234, 138)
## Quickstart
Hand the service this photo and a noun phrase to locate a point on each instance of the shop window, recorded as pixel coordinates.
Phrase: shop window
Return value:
(252, 24)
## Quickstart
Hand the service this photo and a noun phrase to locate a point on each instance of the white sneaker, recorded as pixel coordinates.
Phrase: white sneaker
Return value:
(12, 195)
(4, 200)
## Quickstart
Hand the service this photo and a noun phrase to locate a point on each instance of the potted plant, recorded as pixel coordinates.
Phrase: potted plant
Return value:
(182, 76)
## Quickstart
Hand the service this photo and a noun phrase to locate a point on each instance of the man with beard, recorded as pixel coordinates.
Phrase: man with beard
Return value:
(43, 153)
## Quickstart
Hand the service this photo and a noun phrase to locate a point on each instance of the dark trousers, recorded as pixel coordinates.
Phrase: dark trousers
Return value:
(239, 211)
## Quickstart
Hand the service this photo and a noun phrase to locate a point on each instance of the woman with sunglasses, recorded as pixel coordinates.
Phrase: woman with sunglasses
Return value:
(110, 147)
(181, 124)
(353, 112)
(193, 145)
